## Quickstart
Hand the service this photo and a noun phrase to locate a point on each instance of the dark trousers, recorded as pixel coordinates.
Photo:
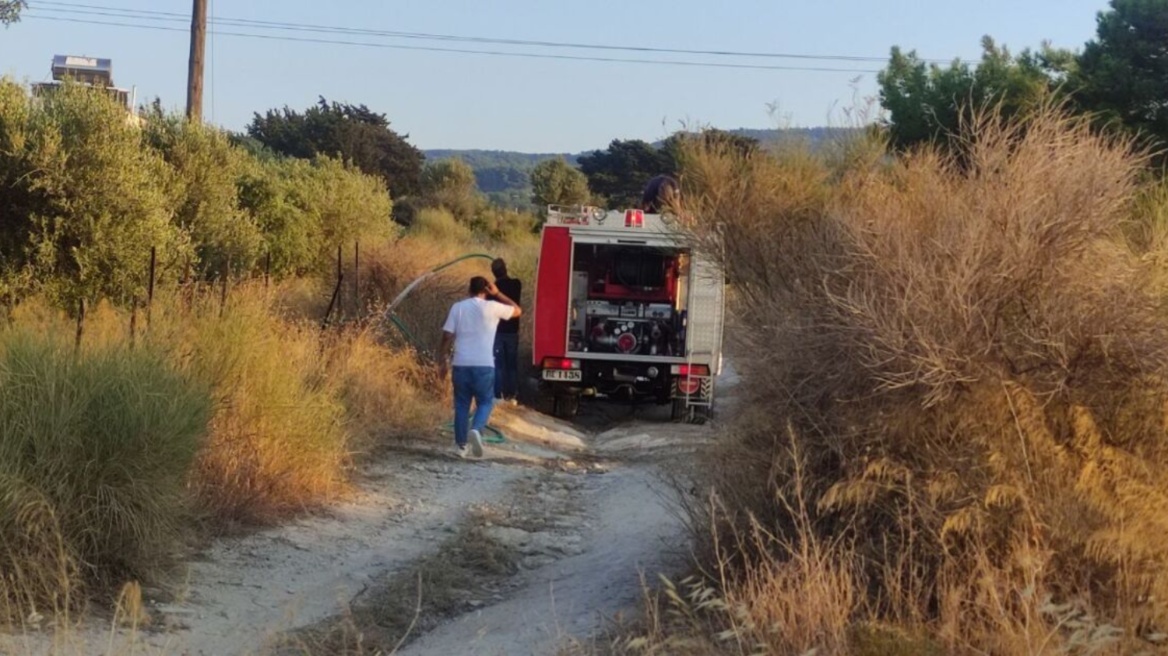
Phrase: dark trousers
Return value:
(506, 365)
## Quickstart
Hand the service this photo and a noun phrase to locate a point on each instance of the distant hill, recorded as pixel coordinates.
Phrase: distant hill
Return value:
(489, 158)
(814, 137)
(503, 174)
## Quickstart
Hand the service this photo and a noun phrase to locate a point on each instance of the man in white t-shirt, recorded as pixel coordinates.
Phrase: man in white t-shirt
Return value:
(470, 328)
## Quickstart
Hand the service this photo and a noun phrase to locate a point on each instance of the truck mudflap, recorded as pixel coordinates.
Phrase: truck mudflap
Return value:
(693, 397)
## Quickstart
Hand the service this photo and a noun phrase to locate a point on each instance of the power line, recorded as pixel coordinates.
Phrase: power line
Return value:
(496, 53)
(239, 22)
(143, 14)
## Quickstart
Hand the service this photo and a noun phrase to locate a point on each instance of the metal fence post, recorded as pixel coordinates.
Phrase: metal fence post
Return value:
(336, 293)
(80, 325)
(223, 289)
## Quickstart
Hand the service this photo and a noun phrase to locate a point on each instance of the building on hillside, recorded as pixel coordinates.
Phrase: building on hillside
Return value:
(90, 71)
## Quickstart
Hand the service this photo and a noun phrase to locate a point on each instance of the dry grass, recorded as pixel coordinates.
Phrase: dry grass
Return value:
(295, 405)
(278, 443)
(958, 365)
(386, 393)
(292, 407)
(93, 484)
(463, 571)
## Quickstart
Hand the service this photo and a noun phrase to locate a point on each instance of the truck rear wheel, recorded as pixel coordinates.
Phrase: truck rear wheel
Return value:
(545, 401)
(559, 404)
(567, 406)
(700, 414)
(690, 414)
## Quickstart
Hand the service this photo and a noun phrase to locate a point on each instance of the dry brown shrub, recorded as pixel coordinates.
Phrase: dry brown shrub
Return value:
(970, 351)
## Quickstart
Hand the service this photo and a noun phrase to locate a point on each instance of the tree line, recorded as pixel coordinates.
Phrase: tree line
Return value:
(1120, 78)
(365, 139)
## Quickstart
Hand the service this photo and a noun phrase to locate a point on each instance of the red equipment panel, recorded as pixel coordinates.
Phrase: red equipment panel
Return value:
(610, 289)
(553, 281)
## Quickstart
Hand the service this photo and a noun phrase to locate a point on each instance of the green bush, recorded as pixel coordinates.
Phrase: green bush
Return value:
(506, 226)
(91, 189)
(291, 236)
(306, 209)
(94, 453)
(450, 184)
(440, 225)
(83, 201)
(205, 171)
(349, 204)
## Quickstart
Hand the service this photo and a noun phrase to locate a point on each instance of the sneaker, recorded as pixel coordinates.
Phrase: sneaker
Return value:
(460, 450)
(476, 443)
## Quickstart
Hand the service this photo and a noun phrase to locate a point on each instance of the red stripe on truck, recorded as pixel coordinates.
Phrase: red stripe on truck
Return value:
(551, 295)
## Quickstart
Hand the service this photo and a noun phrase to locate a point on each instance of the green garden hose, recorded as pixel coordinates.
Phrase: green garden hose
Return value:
(468, 256)
(497, 438)
(390, 312)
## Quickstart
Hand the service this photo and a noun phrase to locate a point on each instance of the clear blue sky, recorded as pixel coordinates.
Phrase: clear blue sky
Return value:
(448, 100)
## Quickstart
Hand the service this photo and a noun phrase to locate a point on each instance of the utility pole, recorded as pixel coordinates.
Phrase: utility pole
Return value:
(195, 72)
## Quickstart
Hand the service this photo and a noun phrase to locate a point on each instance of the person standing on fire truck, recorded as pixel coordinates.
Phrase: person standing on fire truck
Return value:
(470, 328)
(661, 193)
(507, 338)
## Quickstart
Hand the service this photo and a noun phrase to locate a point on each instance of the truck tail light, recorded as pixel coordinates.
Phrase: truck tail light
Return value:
(560, 363)
(689, 377)
(634, 218)
(691, 370)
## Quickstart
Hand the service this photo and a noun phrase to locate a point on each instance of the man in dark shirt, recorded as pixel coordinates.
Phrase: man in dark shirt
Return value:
(661, 193)
(507, 337)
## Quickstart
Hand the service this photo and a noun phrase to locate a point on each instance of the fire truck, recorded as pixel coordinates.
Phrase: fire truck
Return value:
(625, 309)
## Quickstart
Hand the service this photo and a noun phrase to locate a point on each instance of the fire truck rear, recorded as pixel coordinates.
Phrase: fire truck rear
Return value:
(624, 309)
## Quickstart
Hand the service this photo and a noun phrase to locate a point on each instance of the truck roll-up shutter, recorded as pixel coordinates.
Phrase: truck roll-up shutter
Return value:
(553, 281)
(706, 311)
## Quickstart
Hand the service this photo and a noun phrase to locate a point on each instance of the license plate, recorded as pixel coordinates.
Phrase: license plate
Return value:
(563, 375)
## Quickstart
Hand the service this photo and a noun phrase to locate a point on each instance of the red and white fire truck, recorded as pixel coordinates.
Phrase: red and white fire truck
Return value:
(625, 309)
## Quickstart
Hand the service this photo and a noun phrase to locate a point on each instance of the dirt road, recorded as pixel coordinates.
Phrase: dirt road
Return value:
(628, 528)
(604, 518)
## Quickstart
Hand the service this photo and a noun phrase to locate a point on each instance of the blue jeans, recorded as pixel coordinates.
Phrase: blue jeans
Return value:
(477, 383)
(506, 365)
